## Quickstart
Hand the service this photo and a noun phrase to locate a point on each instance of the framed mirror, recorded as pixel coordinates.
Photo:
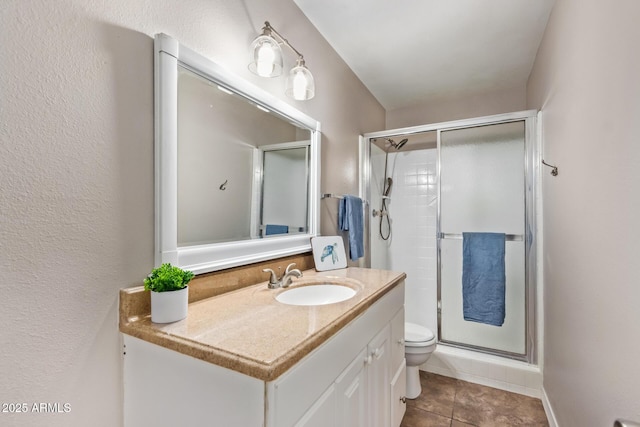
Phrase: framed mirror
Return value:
(237, 170)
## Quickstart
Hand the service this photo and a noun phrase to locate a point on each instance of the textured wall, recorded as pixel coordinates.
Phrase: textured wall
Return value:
(585, 80)
(76, 161)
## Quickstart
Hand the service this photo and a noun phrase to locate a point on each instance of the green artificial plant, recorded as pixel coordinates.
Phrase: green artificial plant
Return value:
(167, 278)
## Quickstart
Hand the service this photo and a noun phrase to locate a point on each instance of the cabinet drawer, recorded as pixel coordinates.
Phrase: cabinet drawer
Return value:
(398, 393)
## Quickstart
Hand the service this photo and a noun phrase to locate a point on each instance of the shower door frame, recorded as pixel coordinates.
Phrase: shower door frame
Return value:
(529, 235)
(531, 161)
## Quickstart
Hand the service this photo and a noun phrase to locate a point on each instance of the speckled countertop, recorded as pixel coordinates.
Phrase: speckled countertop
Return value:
(248, 331)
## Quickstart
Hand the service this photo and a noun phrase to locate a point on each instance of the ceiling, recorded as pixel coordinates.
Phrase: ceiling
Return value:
(406, 51)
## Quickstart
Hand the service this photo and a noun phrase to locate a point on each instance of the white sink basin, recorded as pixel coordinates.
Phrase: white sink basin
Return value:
(320, 294)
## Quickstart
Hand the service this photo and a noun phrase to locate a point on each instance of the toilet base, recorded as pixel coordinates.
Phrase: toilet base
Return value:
(413, 382)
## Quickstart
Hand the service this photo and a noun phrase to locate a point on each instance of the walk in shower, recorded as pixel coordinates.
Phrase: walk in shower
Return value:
(475, 175)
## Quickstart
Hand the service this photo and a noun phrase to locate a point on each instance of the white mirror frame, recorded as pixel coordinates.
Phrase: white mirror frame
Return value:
(168, 55)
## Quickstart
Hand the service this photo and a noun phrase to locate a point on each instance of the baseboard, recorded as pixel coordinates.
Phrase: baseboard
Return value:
(551, 417)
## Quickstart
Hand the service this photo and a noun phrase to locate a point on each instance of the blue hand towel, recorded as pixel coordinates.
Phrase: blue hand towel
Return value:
(350, 219)
(483, 277)
(276, 229)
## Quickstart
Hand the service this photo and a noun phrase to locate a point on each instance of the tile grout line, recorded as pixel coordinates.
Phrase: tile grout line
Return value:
(455, 396)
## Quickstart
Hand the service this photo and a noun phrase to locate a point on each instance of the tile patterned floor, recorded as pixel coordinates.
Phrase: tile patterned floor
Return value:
(448, 402)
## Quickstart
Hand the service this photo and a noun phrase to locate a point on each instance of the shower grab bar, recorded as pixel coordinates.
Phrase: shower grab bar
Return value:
(507, 237)
(625, 423)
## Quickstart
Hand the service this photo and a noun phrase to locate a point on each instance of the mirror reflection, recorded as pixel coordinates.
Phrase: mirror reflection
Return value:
(243, 171)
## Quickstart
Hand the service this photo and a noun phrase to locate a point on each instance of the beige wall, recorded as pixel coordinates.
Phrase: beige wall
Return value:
(586, 81)
(76, 155)
(458, 107)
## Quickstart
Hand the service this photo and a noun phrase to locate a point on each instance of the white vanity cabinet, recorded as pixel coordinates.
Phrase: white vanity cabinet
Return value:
(347, 381)
(350, 380)
(361, 392)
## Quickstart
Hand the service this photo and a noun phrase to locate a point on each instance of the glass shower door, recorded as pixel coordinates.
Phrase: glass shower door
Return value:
(482, 189)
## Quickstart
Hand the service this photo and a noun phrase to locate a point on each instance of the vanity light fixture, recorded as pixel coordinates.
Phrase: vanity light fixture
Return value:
(266, 61)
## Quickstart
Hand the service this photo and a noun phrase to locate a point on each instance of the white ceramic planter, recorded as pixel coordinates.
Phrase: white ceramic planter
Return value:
(167, 307)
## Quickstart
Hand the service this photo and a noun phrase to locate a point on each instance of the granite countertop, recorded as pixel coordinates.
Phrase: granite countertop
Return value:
(248, 331)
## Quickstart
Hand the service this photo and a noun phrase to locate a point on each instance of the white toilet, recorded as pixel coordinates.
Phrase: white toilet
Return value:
(419, 343)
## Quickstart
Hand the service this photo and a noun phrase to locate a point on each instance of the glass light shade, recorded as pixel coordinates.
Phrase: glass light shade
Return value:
(265, 57)
(300, 84)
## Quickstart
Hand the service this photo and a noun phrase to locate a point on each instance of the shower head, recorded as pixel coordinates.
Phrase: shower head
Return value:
(396, 145)
(401, 143)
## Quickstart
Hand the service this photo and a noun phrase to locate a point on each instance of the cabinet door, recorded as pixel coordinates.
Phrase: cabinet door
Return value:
(323, 411)
(397, 339)
(398, 393)
(351, 390)
(379, 379)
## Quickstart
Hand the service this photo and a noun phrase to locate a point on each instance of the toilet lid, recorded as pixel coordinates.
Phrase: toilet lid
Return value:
(417, 333)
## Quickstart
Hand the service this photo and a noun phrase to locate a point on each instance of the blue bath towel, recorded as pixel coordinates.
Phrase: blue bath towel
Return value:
(350, 219)
(276, 229)
(483, 277)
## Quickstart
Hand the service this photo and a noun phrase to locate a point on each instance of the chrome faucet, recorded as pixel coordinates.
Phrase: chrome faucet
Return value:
(286, 278)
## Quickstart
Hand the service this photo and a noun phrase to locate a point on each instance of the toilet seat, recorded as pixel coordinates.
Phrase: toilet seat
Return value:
(417, 336)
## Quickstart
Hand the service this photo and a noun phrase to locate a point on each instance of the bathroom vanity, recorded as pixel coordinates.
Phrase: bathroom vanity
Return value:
(245, 359)
(242, 358)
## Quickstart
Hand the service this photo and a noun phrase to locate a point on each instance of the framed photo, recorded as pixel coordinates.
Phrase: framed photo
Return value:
(328, 253)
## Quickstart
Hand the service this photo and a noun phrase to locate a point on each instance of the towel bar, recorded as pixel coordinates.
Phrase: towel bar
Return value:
(507, 237)
(336, 196)
(331, 196)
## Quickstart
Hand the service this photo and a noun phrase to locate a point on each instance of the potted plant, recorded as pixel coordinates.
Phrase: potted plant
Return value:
(169, 293)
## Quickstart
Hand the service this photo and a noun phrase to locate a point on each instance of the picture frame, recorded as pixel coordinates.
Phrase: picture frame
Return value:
(328, 253)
